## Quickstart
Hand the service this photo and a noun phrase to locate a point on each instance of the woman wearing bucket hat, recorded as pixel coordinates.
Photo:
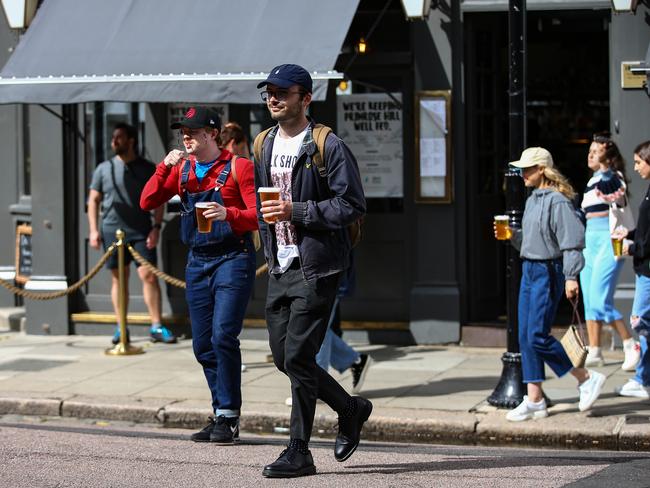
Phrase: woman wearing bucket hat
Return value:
(599, 276)
(550, 243)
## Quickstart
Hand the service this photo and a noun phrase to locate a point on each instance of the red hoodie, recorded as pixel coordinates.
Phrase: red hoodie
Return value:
(238, 198)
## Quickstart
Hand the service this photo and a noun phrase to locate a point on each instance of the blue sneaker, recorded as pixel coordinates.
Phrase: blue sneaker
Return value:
(116, 335)
(160, 333)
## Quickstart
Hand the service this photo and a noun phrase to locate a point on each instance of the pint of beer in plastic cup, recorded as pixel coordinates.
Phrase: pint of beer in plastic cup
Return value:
(617, 246)
(269, 193)
(501, 223)
(204, 225)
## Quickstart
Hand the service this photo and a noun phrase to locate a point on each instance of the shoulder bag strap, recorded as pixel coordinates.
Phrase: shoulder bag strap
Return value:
(578, 319)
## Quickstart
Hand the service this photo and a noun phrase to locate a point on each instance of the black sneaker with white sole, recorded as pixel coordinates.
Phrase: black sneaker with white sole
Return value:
(359, 372)
(226, 430)
(203, 435)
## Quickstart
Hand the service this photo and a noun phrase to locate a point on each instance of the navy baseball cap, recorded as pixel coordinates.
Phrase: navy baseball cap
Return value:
(287, 75)
(197, 118)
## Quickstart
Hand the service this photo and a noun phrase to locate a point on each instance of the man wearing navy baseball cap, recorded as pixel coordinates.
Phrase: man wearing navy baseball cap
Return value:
(287, 75)
(307, 248)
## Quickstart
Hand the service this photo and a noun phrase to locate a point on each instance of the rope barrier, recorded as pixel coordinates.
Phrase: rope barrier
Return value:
(74, 287)
(170, 279)
(160, 274)
(58, 294)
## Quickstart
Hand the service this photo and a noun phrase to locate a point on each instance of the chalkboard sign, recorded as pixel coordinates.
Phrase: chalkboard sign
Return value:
(23, 253)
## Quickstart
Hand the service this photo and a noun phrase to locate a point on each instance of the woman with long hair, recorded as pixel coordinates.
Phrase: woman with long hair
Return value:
(550, 243)
(598, 278)
(639, 249)
(234, 140)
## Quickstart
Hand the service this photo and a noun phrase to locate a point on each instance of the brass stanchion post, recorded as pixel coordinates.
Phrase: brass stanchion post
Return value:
(123, 348)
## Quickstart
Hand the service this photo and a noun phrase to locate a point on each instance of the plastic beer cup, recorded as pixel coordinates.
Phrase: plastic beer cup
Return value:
(269, 193)
(617, 246)
(501, 222)
(204, 225)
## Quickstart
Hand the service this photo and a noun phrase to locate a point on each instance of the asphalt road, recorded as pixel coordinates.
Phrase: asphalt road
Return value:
(38, 452)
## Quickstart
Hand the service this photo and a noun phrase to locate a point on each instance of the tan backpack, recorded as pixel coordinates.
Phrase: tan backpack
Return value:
(320, 133)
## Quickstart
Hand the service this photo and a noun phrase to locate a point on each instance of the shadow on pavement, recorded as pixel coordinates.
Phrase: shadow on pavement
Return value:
(475, 463)
(446, 386)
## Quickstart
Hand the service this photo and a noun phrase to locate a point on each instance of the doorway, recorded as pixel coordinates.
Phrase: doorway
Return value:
(567, 101)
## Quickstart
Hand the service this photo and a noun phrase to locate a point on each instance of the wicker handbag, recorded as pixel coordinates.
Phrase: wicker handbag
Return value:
(573, 339)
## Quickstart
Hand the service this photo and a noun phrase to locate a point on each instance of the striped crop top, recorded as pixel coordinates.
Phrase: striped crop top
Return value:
(604, 188)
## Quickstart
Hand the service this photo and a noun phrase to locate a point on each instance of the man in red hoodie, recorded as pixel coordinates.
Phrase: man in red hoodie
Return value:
(221, 262)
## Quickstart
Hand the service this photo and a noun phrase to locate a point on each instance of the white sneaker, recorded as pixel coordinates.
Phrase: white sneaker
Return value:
(528, 410)
(288, 402)
(590, 390)
(632, 351)
(633, 389)
(594, 357)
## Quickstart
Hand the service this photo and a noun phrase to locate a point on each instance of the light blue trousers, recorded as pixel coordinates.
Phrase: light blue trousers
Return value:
(600, 274)
(641, 309)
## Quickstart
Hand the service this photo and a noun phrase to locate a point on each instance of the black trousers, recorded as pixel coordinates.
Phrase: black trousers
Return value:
(296, 315)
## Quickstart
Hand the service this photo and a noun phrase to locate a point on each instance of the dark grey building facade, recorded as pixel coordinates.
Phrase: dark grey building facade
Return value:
(427, 268)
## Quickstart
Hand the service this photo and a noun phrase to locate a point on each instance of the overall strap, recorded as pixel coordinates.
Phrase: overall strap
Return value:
(185, 174)
(223, 176)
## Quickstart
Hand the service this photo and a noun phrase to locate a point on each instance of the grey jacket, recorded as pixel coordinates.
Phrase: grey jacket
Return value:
(550, 229)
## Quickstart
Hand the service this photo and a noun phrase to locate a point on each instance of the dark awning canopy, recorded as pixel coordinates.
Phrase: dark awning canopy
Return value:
(171, 51)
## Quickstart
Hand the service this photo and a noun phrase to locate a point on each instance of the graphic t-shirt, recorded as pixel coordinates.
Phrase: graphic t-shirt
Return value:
(284, 157)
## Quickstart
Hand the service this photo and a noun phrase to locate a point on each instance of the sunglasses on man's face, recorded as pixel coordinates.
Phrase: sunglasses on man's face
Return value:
(279, 95)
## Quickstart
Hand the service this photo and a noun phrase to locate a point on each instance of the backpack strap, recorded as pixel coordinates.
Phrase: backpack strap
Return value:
(233, 169)
(258, 145)
(320, 135)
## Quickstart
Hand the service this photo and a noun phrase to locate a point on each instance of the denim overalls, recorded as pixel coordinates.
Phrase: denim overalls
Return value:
(219, 279)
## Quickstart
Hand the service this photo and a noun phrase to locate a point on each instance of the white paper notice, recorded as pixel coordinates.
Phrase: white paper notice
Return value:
(435, 112)
(433, 161)
(371, 126)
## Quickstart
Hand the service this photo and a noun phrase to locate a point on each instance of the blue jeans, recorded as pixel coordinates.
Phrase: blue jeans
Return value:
(599, 276)
(542, 287)
(641, 309)
(335, 351)
(218, 289)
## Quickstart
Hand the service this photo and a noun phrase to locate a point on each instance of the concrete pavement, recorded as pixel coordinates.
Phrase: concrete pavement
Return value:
(433, 394)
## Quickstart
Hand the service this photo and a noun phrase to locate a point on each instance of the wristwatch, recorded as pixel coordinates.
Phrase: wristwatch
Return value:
(157, 226)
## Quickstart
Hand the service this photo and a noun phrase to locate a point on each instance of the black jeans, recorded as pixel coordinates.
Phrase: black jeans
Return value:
(297, 316)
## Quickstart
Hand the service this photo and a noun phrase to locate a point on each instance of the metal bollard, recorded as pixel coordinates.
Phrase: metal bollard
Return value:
(123, 348)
